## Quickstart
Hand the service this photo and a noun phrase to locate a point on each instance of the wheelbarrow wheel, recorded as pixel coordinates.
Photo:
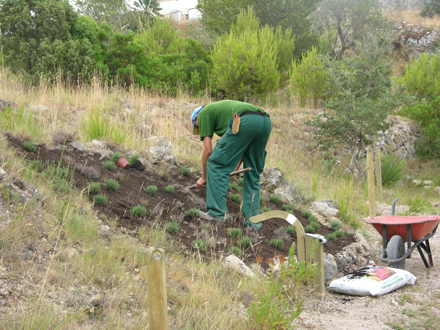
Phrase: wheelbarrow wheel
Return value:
(396, 249)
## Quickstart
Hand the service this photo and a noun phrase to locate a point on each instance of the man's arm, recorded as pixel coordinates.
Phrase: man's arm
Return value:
(207, 151)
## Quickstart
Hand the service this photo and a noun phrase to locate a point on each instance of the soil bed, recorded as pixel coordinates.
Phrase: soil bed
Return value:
(164, 207)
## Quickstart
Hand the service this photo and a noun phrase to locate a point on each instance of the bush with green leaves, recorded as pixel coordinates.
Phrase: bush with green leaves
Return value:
(133, 159)
(275, 199)
(331, 237)
(290, 230)
(172, 227)
(100, 199)
(151, 190)
(235, 186)
(315, 224)
(199, 245)
(235, 198)
(169, 189)
(109, 165)
(392, 169)
(335, 224)
(265, 209)
(234, 232)
(309, 229)
(312, 218)
(277, 243)
(193, 212)
(306, 214)
(138, 211)
(115, 156)
(432, 7)
(245, 242)
(288, 208)
(339, 233)
(185, 171)
(111, 184)
(29, 146)
(235, 250)
(240, 181)
(94, 187)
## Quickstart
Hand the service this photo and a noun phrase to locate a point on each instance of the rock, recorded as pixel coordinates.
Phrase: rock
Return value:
(330, 267)
(38, 108)
(326, 208)
(384, 209)
(163, 152)
(273, 177)
(235, 263)
(4, 104)
(96, 301)
(76, 145)
(287, 192)
(436, 189)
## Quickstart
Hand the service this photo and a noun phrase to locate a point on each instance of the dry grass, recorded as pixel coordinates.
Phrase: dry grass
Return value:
(412, 17)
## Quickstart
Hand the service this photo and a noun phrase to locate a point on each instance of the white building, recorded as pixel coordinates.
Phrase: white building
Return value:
(180, 10)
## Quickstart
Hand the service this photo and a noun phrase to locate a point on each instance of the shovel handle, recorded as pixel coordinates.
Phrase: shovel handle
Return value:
(231, 174)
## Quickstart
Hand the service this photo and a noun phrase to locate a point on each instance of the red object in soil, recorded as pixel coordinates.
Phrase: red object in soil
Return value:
(122, 163)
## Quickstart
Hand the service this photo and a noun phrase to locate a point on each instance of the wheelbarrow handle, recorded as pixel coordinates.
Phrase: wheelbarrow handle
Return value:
(231, 174)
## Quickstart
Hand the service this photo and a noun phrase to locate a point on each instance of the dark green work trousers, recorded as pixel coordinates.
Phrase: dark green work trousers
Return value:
(250, 142)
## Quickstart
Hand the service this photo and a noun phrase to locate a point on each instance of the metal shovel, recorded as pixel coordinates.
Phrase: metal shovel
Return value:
(231, 174)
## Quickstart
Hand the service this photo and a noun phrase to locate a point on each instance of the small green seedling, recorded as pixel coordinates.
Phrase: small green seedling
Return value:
(193, 211)
(265, 209)
(331, 237)
(290, 230)
(109, 165)
(94, 187)
(29, 146)
(262, 200)
(313, 218)
(339, 234)
(100, 199)
(185, 171)
(277, 243)
(138, 211)
(240, 181)
(306, 214)
(169, 189)
(335, 224)
(133, 159)
(151, 190)
(36, 165)
(288, 208)
(199, 244)
(172, 227)
(234, 232)
(245, 242)
(275, 199)
(235, 198)
(309, 229)
(111, 184)
(235, 250)
(315, 224)
(114, 158)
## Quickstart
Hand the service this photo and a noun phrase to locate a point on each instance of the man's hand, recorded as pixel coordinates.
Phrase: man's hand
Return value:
(201, 183)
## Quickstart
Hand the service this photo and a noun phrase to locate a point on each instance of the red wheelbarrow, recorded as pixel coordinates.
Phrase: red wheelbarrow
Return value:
(396, 230)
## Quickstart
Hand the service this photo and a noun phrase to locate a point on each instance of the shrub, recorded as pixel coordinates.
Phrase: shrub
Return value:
(36, 165)
(234, 186)
(277, 243)
(290, 230)
(185, 171)
(109, 165)
(306, 214)
(262, 200)
(275, 199)
(199, 244)
(245, 242)
(100, 199)
(287, 208)
(335, 224)
(193, 211)
(138, 211)
(309, 229)
(339, 233)
(240, 181)
(265, 209)
(331, 237)
(392, 169)
(235, 250)
(29, 146)
(111, 184)
(172, 227)
(234, 232)
(133, 159)
(151, 190)
(94, 187)
(315, 224)
(235, 198)
(313, 218)
(114, 158)
(169, 189)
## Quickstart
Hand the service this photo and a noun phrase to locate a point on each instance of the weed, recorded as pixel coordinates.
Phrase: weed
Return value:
(185, 171)
(138, 211)
(193, 211)
(277, 243)
(169, 189)
(111, 184)
(265, 209)
(172, 227)
(335, 224)
(114, 158)
(151, 190)
(275, 199)
(315, 224)
(94, 187)
(133, 159)
(331, 237)
(199, 245)
(235, 250)
(235, 198)
(339, 234)
(419, 205)
(288, 208)
(36, 165)
(306, 214)
(290, 230)
(245, 242)
(100, 199)
(309, 229)
(109, 165)
(29, 146)
(234, 232)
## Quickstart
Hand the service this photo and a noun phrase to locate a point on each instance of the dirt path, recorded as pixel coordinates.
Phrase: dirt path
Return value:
(344, 312)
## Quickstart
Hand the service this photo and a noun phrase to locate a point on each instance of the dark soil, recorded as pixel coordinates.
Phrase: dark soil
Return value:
(164, 207)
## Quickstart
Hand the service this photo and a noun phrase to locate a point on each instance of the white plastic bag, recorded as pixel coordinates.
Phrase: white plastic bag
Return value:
(375, 281)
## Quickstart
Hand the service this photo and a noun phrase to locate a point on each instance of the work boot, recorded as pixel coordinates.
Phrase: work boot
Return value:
(206, 216)
(256, 226)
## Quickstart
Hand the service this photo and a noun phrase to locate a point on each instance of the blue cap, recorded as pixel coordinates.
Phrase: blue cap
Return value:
(193, 118)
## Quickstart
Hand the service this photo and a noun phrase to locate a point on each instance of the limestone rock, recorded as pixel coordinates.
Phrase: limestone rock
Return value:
(163, 152)
(330, 267)
(326, 208)
(233, 262)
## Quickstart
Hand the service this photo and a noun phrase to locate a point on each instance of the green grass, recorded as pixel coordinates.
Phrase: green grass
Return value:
(172, 227)
(185, 171)
(36, 165)
(100, 199)
(193, 212)
(169, 189)
(151, 190)
(133, 159)
(235, 198)
(94, 187)
(275, 199)
(277, 243)
(111, 184)
(138, 211)
(199, 245)
(29, 146)
(109, 165)
(234, 232)
(392, 169)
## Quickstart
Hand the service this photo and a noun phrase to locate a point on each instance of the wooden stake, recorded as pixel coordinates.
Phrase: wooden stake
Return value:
(157, 291)
(378, 163)
(371, 182)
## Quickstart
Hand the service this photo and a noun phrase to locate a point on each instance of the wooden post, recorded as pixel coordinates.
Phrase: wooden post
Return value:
(378, 163)
(157, 291)
(371, 183)
(317, 258)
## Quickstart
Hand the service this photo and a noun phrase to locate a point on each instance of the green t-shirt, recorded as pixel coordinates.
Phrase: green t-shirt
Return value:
(214, 118)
